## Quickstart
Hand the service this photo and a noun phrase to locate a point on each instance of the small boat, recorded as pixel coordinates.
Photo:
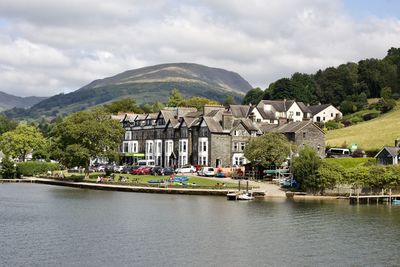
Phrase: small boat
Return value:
(232, 195)
(245, 196)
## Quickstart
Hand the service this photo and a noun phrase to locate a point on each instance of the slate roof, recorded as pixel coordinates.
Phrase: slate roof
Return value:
(304, 107)
(392, 150)
(268, 115)
(279, 105)
(213, 125)
(318, 108)
(290, 127)
(240, 111)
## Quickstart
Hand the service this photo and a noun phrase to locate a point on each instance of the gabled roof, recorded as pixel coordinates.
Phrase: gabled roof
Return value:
(318, 108)
(290, 127)
(279, 105)
(392, 150)
(303, 107)
(267, 115)
(213, 125)
(240, 111)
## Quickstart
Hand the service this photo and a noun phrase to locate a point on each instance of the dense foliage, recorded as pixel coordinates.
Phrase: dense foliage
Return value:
(84, 135)
(31, 168)
(347, 86)
(23, 140)
(7, 168)
(270, 149)
(7, 124)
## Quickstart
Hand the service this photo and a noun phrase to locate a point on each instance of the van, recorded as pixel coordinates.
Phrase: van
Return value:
(338, 153)
(146, 162)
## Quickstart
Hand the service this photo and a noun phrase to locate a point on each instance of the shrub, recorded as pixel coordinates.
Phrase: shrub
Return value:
(385, 105)
(7, 170)
(358, 153)
(332, 125)
(30, 168)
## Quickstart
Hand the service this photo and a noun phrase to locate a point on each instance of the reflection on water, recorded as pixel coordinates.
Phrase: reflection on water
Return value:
(46, 226)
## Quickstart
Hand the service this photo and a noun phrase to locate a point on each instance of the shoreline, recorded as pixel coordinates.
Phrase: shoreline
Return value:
(159, 190)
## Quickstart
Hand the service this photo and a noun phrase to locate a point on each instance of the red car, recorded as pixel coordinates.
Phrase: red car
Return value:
(143, 170)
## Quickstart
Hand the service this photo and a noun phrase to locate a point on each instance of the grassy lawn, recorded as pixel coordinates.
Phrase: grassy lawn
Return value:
(142, 180)
(369, 135)
(348, 163)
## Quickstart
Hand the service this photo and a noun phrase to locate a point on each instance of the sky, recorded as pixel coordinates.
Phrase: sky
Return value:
(49, 47)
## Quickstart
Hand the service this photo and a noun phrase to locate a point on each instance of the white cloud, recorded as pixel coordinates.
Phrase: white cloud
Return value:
(47, 46)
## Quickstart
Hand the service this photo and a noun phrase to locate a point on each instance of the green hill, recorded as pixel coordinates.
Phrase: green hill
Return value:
(146, 85)
(8, 101)
(369, 135)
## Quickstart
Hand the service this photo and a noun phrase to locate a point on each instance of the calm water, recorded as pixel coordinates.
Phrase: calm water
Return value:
(55, 226)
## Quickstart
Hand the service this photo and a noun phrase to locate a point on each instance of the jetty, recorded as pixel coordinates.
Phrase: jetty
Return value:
(374, 199)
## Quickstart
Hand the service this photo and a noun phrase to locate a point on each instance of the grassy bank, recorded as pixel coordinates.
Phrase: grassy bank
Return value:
(142, 180)
(349, 163)
(369, 135)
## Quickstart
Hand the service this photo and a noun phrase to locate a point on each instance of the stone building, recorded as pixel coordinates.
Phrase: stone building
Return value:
(215, 136)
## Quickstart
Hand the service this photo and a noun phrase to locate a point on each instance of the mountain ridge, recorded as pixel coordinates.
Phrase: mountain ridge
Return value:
(8, 101)
(147, 84)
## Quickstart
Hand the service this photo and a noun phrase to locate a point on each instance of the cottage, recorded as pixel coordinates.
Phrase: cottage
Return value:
(324, 113)
(389, 155)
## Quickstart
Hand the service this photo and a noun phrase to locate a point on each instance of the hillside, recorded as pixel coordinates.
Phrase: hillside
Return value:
(8, 101)
(369, 135)
(147, 84)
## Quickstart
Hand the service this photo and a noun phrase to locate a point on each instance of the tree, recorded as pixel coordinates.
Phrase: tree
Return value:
(254, 96)
(305, 168)
(270, 149)
(229, 100)
(23, 140)
(8, 169)
(7, 124)
(328, 175)
(176, 99)
(123, 105)
(200, 102)
(85, 135)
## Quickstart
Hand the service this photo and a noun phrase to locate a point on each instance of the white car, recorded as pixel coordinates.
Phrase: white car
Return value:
(207, 171)
(186, 169)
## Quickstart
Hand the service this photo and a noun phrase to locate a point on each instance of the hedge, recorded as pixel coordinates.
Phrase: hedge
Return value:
(31, 168)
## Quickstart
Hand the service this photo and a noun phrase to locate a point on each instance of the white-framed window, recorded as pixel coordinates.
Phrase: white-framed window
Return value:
(203, 151)
(169, 148)
(128, 135)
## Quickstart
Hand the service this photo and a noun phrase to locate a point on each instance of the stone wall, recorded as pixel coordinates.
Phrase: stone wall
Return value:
(220, 148)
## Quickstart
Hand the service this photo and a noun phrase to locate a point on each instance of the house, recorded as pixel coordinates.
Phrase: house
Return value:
(301, 133)
(389, 155)
(215, 136)
(324, 113)
(289, 110)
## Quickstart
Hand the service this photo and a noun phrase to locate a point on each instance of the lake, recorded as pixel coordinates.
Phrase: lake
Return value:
(43, 225)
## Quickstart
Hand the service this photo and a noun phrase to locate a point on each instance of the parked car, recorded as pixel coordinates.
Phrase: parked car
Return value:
(101, 168)
(186, 169)
(132, 169)
(338, 153)
(207, 171)
(168, 171)
(118, 169)
(157, 170)
(142, 170)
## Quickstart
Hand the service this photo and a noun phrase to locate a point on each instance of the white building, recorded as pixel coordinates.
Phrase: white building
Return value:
(324, 113)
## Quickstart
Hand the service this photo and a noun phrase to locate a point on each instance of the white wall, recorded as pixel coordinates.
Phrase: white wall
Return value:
(295, 113)
(327, 114)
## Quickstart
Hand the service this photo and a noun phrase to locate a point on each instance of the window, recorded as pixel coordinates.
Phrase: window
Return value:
(235, 147)
(135, 147)
(242, 145)
(331, 115)
(297, 113)
(304, 134)
(258, 120)
(290, 114)
(236, 133)
(125, 148)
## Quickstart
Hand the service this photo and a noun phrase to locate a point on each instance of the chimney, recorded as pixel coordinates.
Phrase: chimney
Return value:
(397, 142)
(227, 120)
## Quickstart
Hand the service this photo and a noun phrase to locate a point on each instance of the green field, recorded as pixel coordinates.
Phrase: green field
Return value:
(369, 135)
(348, 163)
